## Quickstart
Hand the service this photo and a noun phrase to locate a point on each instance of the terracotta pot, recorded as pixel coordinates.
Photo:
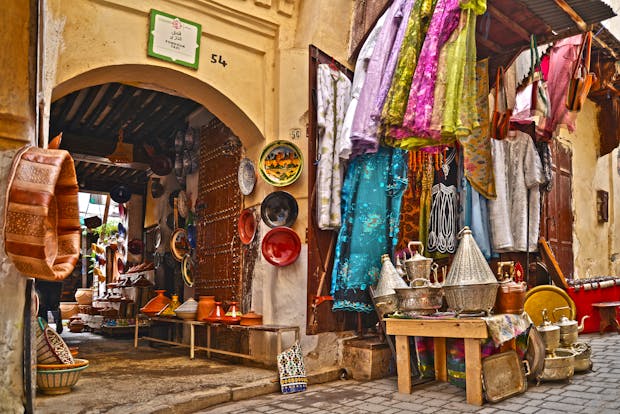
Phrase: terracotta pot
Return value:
(217, 314)
(68, 309)
(76, 326)
(155, 305)
(251, 319)
(233, 316)
(84, 296)
(206, 304)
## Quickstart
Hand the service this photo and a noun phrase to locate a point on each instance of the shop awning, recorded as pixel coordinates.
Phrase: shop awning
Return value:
(504, 30)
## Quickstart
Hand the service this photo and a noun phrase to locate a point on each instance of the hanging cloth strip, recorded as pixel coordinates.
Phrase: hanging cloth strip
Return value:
(443, 214)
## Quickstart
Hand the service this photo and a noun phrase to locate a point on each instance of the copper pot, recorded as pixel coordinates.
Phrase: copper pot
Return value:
(251, 319)
(510, 297)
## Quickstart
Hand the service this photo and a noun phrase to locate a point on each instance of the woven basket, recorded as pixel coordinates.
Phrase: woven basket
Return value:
(52, 349)
(42, 227)
(59, 381)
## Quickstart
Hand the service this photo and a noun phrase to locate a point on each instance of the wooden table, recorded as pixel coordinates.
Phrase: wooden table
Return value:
(471, 330)
(607, 311)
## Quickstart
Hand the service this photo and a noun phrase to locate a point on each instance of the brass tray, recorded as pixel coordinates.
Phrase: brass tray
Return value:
(547, 297)
(503, 376)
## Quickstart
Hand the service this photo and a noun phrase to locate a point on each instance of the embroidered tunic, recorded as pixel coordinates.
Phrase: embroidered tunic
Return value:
(333, 95)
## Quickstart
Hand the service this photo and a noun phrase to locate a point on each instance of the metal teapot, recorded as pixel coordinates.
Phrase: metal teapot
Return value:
(550, 333)
(417, 266)
(569, 329)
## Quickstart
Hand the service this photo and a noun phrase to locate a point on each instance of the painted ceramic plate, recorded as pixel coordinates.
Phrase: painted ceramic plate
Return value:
(280, 163)
(246, 176)
(246, 226)
(179, 245)
(279, 209)
(281, 246)
(187, 270)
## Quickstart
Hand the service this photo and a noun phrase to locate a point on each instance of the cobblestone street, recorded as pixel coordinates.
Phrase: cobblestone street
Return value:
(591, 392)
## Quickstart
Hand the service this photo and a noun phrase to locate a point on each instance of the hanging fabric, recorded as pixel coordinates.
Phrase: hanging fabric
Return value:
(443, 215)
(500, 120)
(371, 199)
(361, 67)
(477, 158)
(333, 95)
(410, 209)
(518, 169)
(363, 138)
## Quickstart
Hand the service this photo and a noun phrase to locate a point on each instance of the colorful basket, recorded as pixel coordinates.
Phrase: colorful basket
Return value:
(60, 378)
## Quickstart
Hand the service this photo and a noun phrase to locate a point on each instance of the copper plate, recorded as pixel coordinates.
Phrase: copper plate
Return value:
(246, 226)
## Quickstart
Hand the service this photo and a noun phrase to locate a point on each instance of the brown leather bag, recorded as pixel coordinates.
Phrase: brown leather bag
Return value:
(500, 121)
(581, 78)
(42, 230)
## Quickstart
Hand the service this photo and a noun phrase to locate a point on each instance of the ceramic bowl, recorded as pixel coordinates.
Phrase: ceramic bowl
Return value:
(279, 209)
(59, 380)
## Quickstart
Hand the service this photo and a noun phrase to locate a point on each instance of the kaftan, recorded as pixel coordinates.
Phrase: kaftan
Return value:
(361, 66)
(333, 95)
(371, 199)
(509, 212)
(364, 139)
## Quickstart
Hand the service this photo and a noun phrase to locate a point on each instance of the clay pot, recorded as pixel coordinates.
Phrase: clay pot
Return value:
(84, 296)
(217, 314)
(155, 305)
(233, 316)
(76, 326)
(69, 309)
(251, 319)
(206, 304)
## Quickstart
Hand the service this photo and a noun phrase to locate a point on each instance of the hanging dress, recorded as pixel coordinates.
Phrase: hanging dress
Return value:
(460, 113)
(416, 121)
(444, 215)
(371, 199)
(361, 66)
(333, 95)
(396, 100)
(363, 139)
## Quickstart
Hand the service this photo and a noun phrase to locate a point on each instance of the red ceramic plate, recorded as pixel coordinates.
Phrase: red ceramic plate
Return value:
(246, 226)
(281, 246)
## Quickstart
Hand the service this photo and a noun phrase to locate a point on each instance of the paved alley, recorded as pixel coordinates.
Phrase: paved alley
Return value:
(591, 392)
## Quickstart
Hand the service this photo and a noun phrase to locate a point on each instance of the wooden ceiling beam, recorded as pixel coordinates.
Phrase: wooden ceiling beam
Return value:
(574, 16)
(486, 43)
(508, 23)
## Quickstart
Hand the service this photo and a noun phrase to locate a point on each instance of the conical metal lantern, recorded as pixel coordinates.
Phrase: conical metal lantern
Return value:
(386, 300)
(470, 286)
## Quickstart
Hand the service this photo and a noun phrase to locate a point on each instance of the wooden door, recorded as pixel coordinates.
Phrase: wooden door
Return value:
(365, 16)
(217, 209)
(557, 220)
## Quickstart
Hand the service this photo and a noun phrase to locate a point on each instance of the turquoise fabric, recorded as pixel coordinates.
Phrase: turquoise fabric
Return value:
(371, 199)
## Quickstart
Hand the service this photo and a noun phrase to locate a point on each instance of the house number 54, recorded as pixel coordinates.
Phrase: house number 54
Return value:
(215, 58)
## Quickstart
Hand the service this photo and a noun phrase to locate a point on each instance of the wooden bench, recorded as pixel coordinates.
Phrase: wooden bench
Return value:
(472, 330)
(607, 311)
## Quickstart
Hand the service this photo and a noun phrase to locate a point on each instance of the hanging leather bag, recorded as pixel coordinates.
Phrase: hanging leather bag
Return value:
(581, 77)
(42, 230)
(500, 121)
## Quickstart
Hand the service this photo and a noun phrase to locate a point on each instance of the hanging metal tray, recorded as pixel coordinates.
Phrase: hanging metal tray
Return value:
(503, 376)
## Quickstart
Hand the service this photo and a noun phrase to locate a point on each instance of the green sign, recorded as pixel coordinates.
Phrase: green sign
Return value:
(174, 39)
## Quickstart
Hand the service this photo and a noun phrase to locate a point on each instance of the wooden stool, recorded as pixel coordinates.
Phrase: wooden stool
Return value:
(607, 311)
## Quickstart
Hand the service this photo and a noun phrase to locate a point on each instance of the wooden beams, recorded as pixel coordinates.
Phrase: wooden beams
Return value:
(574, 16)
(508, 23)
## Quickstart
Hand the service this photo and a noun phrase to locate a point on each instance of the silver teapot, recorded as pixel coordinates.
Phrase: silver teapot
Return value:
(417, 266)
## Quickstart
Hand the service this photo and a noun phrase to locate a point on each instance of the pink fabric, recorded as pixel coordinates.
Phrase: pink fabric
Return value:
(417, 118)
(561, 61)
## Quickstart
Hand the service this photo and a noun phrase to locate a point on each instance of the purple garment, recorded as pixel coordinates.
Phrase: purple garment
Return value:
(417, 119)
(390, 67)
(364, 140)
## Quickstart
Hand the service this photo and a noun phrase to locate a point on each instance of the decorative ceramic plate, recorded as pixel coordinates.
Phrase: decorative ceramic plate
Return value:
(280, 163)
(547, 297)
(279, 209)
(281, 246)
(246, 175)
(179, 245)
(182, 204)
(187, 270)
(246, 226)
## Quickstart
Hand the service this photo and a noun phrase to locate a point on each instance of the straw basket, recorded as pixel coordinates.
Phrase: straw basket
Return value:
(55, 379)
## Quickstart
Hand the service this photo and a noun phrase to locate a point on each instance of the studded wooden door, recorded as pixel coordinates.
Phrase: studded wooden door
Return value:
(217, 208)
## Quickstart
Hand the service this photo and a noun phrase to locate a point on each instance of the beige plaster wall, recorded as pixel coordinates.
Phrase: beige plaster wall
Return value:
(594, 246)
(262, 95)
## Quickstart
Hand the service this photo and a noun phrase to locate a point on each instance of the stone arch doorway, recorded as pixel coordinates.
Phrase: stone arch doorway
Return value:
(175, 83)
